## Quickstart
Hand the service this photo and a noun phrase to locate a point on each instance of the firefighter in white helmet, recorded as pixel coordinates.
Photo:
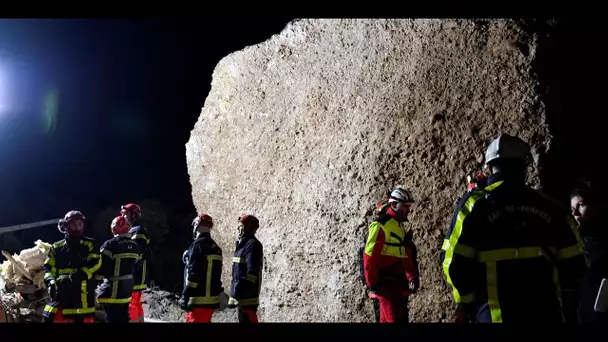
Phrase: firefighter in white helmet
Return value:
(511, 254)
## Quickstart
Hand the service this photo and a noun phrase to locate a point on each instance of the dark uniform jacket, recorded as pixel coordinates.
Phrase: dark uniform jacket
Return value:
(508, 253)
(203, 273)
(72, 263)
(596, 247)
(140, 235)
(247, 266)
(120, 257)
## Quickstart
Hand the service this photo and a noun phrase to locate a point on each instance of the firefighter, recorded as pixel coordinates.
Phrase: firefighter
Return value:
(247, 265)
(203, 272)
(69, 271)
(512, 254)
(120, 255)
(139, 234)
(390, 259)
(590, 207)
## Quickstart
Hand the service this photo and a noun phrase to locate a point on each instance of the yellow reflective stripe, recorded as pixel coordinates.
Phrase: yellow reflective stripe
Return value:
(569, 252)
(88, 244)
(215, 257)
(252, 278)
(127, 256)
(59, 244)
(393, 246)
(62, 271)
(50, 261)
(192, 284)
(374, 228)
(144, 272)
(208, 279)
(47, 275)
(89, 271)
(77, 311)
(492, 284)
(452, 240)
(238, 260)
(465, 251)
(141, 236)
(98, 277)
(50, 309)
(114, 300)
(107, 253)
(93, 256)
(139, 287)
(83, 294)
(249, 301)
(116, 274)
(204, 300)
(510, 254)
(65, 276)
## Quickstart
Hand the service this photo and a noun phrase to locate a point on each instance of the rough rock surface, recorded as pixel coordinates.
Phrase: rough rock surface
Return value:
(310, 128)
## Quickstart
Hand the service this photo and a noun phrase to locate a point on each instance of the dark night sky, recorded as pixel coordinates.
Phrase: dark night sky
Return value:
(129, 92)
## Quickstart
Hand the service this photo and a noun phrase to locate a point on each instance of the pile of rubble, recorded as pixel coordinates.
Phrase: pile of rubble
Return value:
(22, 288)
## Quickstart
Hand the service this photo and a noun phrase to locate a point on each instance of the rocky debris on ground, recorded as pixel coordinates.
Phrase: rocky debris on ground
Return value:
(26, 267)
(309, 129)
(22, 288)
(164, 306)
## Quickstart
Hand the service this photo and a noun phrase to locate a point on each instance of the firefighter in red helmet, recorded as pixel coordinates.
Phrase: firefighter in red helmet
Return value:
(120, 257)
(139, 234)
(247, 265)
(68, 273)
(203, 273)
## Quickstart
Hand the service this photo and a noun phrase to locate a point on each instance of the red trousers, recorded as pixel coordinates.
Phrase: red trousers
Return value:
(248, 315)
(199, 315)
(393, 308)
(60, 319)
(136, 310)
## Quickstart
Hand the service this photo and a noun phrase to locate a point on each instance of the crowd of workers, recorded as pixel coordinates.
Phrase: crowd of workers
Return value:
(80, 278)
(511, 254)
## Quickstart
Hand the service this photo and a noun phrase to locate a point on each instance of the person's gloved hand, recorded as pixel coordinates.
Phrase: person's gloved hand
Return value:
(183, 303)
(232, 303)
(414, 284)
(52, 290)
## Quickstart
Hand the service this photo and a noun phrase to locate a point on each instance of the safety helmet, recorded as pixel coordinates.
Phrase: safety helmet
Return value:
(132, 210)
(201, 220)
(71, 215)
(119, 225)
(251, 220)
(399, 194)
(508, 147)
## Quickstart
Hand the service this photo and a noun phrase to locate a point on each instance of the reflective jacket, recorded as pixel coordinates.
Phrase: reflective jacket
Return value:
(247, 265)
(72, 263)
(390, 257)
(140, 235)
(203, 272)
(120, 256)
(513, 255)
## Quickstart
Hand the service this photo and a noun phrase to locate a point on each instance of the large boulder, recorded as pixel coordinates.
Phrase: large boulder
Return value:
(309, 129)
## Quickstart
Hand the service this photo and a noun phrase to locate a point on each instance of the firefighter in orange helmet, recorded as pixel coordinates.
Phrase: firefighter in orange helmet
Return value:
(139, 234)
(120, 257)
(203, 273)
